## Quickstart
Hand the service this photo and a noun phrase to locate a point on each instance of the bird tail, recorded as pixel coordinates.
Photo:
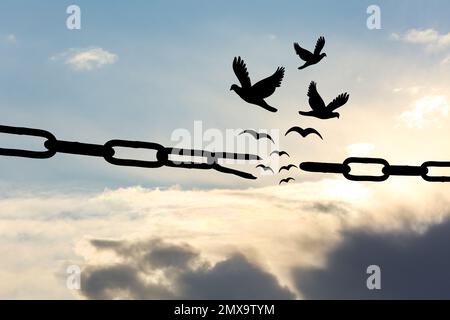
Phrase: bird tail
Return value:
(304, 113)
(302, 67)
(266, 106)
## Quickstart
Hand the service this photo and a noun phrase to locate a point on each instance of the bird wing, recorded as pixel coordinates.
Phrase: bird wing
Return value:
(266, 87)
(286, 180)
(287, 168)
(339, 101)
(303, 132)
(279, 153)
(265, 168)
(265, 135)
(315, 100)
(319, 46)
(294, 129)
(309, 131)
(240, 70)
(302, 53)
(253, 133)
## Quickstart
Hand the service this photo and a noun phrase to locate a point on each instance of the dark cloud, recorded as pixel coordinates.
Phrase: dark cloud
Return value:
(234, 278)
(120, 281)
(185, 275)
(412, 266)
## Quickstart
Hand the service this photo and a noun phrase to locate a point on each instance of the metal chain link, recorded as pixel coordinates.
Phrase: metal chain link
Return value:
(107, 152)
(386, 171)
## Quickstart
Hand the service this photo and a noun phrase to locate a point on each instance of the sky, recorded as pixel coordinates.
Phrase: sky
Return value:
(152, 70)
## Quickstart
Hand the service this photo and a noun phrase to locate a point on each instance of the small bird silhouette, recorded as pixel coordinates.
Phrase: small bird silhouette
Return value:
(265, 168)
(307, 56)
(259, 91)
(286, 180)
(280, 153)
(287, 168)
(257, 135)
(319, 110)
(303, 132)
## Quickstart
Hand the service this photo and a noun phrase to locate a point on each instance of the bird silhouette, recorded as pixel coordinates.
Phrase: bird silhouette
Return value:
(259, 91)
(287, 168)
(286, 180)
(280, 153)
(303, 132)
(319, 110)
(257, 135)
(307, 56)
(265, 168)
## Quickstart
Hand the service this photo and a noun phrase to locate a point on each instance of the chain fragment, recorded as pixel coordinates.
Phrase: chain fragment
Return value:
(106, 151)
(387, 169)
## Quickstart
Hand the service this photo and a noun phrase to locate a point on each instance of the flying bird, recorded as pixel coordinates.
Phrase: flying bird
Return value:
(307, 56)
(257, 135)
(280, 153)
(286, 180)
(287, 168)
(319, 110)
(265, 168)
(303, 132)
(259, 91)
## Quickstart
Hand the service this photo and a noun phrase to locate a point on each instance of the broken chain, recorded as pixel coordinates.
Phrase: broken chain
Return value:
(107, 152)
(386, 171)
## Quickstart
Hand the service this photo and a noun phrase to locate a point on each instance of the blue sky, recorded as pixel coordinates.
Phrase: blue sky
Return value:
(173, 64)
(167, 64)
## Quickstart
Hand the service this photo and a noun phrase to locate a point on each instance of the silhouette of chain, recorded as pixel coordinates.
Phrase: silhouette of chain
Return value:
(107, 152)
(386, 171)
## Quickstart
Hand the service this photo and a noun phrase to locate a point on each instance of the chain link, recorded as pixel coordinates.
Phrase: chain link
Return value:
(386, 171)
(107, 152)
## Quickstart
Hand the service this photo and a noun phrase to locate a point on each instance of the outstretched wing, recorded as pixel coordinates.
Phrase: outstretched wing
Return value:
(265, 135)
(302, 53)
(266, 87)
(240, 70)
(339, 101)
(286, 180)
(265, 168)
(309, 131)
(303, 132)
(319, 45)
(279, 153)
(287, 168)
(315, 100)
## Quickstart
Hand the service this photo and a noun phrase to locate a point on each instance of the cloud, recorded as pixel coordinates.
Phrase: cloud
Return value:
(413, 266)
(86, 59)
(11, 39)
(430, 38)
(209, 236)
(157, 270)
(446, 60)
(426, 111)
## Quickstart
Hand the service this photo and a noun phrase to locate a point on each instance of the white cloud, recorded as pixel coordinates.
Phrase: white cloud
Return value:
(430, 38)
(426, 111)
(11, 38)
(48, 232)
(86, 59)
